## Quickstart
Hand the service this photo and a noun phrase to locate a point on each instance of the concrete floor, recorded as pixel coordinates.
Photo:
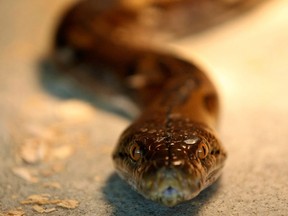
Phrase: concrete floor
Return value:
(60, 148)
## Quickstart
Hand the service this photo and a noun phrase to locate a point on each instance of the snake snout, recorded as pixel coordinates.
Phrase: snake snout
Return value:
(170, 186)
(170, 196)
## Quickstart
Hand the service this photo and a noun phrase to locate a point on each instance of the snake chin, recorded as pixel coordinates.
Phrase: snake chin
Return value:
(172, 196)
(169, 188)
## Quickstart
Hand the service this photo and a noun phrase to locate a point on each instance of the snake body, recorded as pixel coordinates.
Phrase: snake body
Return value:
(171, 152)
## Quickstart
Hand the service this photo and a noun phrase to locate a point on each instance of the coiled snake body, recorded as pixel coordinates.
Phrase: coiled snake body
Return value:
(171, 152)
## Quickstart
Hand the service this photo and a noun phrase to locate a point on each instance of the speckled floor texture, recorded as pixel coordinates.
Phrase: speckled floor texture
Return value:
(55, 151)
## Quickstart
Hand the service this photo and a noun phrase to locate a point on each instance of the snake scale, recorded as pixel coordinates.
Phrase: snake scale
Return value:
(171, 152)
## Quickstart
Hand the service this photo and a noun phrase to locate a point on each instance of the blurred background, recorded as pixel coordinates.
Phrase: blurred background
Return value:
(62, 147)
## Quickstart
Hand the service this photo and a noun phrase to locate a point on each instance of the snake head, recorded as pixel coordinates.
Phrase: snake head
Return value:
(171, 164)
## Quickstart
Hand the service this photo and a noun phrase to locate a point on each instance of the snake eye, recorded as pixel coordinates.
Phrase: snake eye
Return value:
(202, 151)
(135, 152)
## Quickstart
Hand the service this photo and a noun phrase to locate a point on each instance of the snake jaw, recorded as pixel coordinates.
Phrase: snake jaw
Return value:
(170, 186)
(170, 197)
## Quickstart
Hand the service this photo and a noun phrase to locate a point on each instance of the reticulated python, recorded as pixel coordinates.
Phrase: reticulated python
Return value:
(171, 152)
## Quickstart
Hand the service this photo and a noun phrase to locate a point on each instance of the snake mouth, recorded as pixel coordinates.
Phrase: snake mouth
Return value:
(170, 192)
(170, 196)
(170, 187)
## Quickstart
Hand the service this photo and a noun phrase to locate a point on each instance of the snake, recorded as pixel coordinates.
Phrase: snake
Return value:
(172, 151)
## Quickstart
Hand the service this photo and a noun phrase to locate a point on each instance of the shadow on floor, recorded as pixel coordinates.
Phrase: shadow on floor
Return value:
(102, 92)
